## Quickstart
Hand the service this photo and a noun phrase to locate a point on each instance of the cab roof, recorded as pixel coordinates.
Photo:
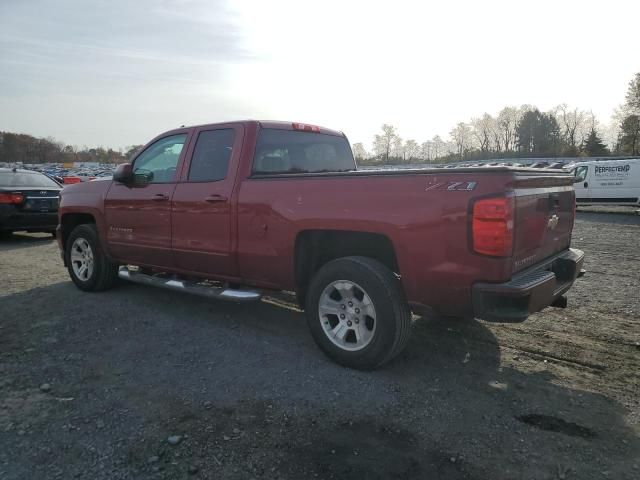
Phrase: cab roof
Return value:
(277, 124)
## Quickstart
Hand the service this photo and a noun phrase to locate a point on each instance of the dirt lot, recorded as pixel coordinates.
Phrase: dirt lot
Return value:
(249, 394)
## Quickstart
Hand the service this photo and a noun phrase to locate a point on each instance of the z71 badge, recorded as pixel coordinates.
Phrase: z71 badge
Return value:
(451, 186)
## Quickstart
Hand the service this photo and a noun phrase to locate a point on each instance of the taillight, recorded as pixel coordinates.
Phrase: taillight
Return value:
(305, 128)
(492, 226)
(11, 198)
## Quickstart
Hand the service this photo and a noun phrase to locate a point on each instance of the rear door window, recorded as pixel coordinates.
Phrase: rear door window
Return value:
(210, 160)
(287, 151)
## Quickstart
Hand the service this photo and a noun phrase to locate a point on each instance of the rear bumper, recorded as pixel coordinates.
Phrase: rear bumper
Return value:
(528, 291)
(36, 222)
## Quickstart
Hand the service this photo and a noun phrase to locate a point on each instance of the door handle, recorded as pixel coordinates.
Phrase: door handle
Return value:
(215, 198)
(158, 197)
(586, 184)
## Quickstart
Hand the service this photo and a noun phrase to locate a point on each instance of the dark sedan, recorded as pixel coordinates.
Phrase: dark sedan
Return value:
(28, 201)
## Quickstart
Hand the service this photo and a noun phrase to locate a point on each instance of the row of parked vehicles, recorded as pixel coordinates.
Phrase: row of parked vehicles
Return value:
(67, 175)
(539, 164)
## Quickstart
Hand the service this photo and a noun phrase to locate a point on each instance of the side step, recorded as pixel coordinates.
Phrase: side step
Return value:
(221, 293)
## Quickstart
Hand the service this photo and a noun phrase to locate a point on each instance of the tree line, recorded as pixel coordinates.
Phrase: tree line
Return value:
(20, 147)
(522, 131)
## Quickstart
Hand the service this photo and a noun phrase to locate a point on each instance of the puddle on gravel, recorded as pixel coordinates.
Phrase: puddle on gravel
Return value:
(554, 424)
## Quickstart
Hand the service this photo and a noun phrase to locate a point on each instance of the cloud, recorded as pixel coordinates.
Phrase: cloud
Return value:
(154, 56)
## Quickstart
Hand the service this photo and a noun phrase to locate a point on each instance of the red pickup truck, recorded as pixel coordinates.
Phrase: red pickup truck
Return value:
(234, 209)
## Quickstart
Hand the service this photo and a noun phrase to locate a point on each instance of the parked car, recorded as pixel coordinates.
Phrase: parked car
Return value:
(281, 206)
(607, 182)
(557, 165)
(28, 201)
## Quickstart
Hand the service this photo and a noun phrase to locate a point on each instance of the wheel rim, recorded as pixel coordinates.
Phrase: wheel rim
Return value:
(82, 259)
(347, 315)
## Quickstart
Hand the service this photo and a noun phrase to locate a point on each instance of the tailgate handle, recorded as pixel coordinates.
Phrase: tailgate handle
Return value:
(586, 184)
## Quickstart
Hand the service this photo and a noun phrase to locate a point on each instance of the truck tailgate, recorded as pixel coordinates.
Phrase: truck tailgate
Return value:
(544, 215)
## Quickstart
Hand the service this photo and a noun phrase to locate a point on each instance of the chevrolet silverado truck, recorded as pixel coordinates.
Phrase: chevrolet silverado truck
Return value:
(233, 210)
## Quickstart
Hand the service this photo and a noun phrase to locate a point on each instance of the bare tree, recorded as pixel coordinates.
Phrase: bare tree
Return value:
(397, 147)
(438, 147)
(426, 150)
(574, 125)
(384, 144)
(359, 152)
(483, 128)
(507, 123)
(411, 150)
(462, 137)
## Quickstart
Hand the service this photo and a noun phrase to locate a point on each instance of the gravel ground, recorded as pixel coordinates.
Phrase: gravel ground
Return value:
(143, 383)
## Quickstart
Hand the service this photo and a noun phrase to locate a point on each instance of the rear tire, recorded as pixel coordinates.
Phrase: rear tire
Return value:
(357, 312)
(89, 268)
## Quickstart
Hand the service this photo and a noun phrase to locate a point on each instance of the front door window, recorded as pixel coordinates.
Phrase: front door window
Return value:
(157, 164)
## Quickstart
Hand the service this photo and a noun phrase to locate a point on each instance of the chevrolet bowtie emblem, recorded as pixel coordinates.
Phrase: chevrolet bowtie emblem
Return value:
(553, 222)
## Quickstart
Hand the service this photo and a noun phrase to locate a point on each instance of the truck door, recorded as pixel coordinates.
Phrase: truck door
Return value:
(203, 230)
(581, 185)
(138, 215)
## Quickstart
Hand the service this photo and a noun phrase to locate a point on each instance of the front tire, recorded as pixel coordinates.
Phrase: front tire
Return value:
(89, 268)
(357, 312)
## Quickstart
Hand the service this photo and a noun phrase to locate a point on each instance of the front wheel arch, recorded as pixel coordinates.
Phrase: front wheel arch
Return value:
(103, 272)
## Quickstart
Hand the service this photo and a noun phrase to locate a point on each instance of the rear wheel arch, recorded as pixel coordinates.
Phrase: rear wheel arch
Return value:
(315, 248)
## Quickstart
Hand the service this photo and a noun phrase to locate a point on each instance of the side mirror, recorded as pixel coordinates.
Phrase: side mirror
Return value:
(123, 174)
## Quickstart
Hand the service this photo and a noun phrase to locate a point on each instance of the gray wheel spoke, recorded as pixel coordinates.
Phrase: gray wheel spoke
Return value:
(340, 331)
(350, 332)
(82, 259)
(345, 289)
(329, 306)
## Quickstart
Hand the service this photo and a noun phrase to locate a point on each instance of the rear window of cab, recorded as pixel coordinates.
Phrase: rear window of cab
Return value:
(287, 151)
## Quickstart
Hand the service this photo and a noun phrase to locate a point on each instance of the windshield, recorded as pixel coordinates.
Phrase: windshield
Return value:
(23, 179)
(286, 151)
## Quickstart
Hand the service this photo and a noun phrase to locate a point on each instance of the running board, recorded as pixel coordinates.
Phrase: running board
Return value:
(222, 293)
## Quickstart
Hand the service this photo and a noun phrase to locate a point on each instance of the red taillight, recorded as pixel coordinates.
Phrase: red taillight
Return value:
(492, 226)
(11, 198)
(305, 128)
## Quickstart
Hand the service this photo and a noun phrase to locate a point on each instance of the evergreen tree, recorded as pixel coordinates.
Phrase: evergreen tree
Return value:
(538, 133)
(629, 140)
(593, 145)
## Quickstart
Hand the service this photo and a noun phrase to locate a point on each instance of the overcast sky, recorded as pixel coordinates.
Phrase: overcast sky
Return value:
(117, 72)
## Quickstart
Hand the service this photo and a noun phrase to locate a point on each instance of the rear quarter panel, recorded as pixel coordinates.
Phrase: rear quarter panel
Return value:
(426, 223)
